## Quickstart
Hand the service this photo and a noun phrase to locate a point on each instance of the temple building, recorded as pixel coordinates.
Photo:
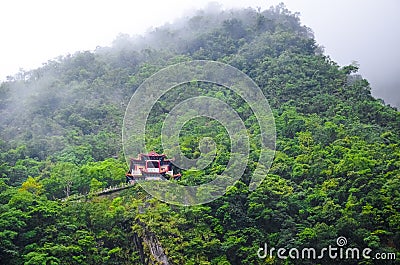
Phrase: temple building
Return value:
(151, 166)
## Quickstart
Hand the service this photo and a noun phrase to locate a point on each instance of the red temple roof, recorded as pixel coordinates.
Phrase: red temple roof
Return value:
(152, 153)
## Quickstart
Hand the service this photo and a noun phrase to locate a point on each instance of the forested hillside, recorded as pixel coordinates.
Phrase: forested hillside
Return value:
(336, 170)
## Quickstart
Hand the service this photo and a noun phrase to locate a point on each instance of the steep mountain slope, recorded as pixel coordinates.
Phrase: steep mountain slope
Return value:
(336, 171)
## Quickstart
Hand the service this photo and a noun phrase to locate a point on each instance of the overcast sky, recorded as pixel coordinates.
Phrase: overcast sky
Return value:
(366, 31)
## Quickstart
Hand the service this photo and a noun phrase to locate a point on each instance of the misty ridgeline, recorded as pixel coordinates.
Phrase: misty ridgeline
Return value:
(336, 170)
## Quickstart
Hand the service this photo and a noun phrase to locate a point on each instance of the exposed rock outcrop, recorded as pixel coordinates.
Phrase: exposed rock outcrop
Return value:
(149, 248)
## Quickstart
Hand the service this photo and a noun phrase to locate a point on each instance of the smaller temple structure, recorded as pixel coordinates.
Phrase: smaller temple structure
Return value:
(151, 166)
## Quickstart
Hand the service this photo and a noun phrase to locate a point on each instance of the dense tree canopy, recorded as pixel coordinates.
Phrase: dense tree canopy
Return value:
(336, 171)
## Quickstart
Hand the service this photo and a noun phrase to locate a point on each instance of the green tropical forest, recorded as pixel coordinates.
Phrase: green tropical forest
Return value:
(335, 173)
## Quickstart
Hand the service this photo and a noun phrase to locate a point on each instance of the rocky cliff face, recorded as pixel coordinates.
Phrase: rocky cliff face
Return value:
(155, 248)
(149, 248)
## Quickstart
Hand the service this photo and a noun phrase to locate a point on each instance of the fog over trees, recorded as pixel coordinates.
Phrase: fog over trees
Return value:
(359, 30)
(335, 174)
